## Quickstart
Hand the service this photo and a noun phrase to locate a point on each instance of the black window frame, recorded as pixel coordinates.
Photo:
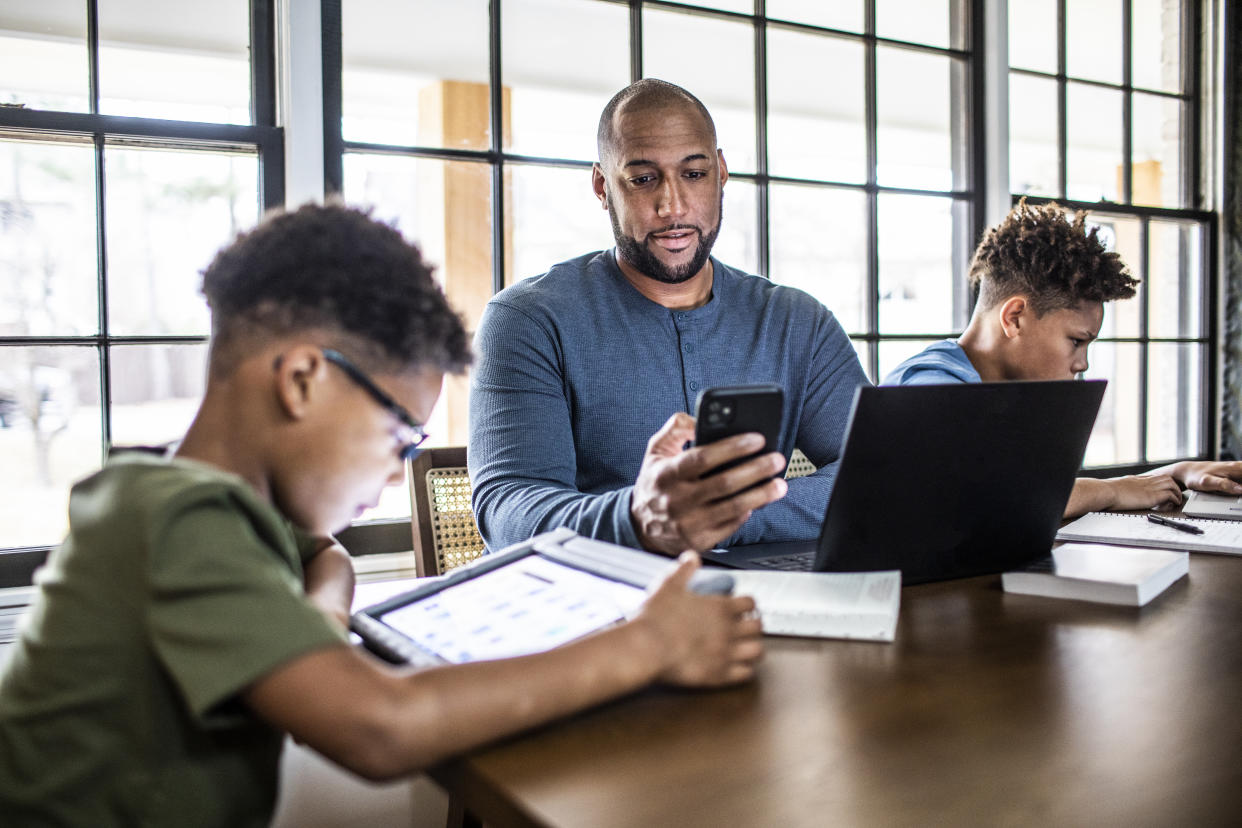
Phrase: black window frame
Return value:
(262, 135)
(1191, 96)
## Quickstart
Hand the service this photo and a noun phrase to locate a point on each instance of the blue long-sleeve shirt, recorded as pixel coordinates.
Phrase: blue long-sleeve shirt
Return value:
(577, 369)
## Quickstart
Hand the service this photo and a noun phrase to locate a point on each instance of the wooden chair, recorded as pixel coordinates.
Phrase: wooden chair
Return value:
(799, 465)
(445, 534)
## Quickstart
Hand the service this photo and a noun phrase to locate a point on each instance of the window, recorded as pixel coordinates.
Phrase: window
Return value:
(135, 139)
(1103, 115)
(844, 126)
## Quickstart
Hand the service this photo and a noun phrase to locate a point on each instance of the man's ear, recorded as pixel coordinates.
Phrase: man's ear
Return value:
(299, 372)
(599, 185)
(1013, 313)
(724, 168)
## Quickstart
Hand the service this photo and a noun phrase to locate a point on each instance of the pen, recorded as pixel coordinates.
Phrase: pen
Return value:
(1175, 524)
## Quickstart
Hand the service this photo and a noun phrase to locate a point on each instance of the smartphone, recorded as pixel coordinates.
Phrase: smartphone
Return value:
(737, 409)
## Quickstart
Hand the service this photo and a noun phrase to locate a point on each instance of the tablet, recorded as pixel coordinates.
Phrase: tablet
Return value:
(528, 598)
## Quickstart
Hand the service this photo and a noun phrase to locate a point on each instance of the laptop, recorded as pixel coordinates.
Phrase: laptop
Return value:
(945, 481)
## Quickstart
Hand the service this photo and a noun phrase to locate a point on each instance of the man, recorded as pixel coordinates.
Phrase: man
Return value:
(578, 366)
(1043, 281)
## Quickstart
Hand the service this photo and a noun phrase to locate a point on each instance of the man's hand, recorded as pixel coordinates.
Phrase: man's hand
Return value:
(703, 640)
(673, 509)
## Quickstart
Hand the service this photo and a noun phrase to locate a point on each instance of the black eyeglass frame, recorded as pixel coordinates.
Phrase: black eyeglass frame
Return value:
(410, 450)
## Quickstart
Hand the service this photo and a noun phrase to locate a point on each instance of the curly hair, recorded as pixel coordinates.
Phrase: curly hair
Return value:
(333, 268)
(1053, 260)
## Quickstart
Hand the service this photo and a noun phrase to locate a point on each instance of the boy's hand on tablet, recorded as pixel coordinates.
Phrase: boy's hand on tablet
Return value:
(701, 640)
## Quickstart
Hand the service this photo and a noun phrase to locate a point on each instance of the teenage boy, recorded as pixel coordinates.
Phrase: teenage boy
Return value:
(197, 609)
(1043, 280)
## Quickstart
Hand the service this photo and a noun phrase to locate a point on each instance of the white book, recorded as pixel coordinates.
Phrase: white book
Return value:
(857, 605)
(1220, 536)
(1095, 572)
(1213, 505)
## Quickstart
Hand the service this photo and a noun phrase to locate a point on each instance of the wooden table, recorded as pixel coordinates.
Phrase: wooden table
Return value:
(988, 709)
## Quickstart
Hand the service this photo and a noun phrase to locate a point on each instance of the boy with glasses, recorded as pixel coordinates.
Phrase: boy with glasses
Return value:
(198, 608)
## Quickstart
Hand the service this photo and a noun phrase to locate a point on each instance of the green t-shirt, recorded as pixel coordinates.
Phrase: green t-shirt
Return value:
(176, 588)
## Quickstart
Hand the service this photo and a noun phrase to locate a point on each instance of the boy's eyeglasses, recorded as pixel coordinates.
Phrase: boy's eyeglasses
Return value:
(417, 435)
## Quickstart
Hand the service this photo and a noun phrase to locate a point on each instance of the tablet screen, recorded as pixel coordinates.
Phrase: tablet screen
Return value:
(528, 606)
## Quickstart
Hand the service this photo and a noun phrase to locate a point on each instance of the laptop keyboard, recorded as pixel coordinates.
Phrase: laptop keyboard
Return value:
(797, 562)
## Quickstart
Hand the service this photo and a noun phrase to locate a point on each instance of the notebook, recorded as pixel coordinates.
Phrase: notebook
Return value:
(1104, 574)
(1212, 505)
(1220, 536)
(945, 481)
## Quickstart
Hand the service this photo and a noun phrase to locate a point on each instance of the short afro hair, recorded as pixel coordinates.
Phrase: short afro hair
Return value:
(648, 93)
(1048, 257)
(335, 269)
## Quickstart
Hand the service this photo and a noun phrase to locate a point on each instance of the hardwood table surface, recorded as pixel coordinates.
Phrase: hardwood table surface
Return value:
(988, 709)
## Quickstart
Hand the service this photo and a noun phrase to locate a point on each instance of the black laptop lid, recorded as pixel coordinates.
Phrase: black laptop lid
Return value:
(946, 481)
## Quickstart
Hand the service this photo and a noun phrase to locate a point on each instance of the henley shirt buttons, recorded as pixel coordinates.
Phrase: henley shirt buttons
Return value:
(689, 349)
(694, 386)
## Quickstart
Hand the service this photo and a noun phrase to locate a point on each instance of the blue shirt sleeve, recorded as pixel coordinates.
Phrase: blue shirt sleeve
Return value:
(521, 451)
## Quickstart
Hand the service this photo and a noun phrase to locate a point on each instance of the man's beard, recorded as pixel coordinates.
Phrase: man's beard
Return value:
(640, 257)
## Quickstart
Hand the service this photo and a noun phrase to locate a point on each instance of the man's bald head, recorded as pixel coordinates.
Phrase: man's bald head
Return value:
(642, 95)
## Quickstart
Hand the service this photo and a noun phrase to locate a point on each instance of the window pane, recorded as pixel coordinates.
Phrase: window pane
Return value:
(1094, 162)
(1175, 268)
(415, 73)
(1033, 35)
(1157, 151)
(863, 349)
(556, 217)
(818, 242)
(1033, 155)
(445, 207)
(43, 57)
(840, 14)
(554, 114)
(50, 436)
(47, 232)
(893, 352)
(1156, 30)
(934, 22)
(916, 256)
(1122, 235)
(168, 213)
(187, 61)
(738, 242)
(920, 139)
(1115, 439)
(743, 6)
(816, 131)
(1174, 401)
(1093, 34)
(156, 390)
(717, 65)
